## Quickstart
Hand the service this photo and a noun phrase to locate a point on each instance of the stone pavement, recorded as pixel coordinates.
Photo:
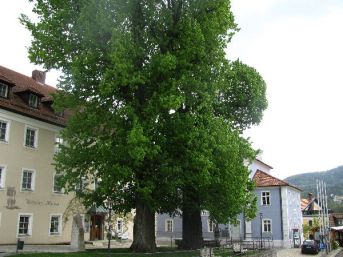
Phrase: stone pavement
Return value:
(7, 250)
(338, 253)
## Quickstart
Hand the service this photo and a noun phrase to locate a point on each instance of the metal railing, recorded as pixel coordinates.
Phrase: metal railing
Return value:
(254, 243)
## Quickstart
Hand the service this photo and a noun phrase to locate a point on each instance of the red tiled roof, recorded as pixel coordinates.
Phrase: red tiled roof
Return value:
(14, 102)
(304, 203)
(263, 179)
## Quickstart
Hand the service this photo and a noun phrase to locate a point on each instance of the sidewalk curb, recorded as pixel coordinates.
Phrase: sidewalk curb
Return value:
(334, 253)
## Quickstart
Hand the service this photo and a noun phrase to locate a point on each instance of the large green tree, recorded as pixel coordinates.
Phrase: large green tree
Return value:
(214, 162)
(157, 110)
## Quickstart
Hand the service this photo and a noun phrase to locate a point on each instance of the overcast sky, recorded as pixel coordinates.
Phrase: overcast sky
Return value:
(296, 45)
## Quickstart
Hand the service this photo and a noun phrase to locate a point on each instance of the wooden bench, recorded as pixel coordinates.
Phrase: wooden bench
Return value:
(205, 243)
(211, 243)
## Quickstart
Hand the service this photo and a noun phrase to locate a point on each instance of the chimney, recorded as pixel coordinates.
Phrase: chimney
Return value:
(310, 197)
(38, 76)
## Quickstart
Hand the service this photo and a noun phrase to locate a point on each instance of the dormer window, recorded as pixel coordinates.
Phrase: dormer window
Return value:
(33, 100)
(3, 90)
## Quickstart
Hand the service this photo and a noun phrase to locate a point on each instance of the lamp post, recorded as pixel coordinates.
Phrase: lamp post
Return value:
(109, 205)
(261, 217)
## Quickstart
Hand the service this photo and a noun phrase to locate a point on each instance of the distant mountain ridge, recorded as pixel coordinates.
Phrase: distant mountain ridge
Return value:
(307, 181)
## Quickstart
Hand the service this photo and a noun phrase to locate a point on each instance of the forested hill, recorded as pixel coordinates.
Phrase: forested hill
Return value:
(307, 181)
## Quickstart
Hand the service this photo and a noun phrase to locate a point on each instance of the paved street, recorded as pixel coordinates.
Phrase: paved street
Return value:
(296, 252)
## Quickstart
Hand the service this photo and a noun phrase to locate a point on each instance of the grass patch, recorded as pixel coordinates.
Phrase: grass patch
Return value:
(125, 252)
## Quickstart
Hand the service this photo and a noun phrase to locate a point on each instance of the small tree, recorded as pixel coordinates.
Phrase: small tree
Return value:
(309, 230)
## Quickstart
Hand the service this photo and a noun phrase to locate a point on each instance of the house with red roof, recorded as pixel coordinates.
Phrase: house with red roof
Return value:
(279, 212)
(32, 204)
(33, 207)
(310, 210)
(278, 220)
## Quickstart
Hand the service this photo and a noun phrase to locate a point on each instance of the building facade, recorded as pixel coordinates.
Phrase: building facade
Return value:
(33, 207)
(278, 218)
(311, 216)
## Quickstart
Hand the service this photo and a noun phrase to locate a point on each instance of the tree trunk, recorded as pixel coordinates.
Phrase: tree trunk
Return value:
(143, 229)
(191, 222)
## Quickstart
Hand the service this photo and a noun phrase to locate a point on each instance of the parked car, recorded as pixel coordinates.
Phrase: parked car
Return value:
(310, 246)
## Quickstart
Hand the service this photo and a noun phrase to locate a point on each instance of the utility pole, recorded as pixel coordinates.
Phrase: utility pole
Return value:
(327, 220)
(319, 211)
(323, 215)
(322, 210)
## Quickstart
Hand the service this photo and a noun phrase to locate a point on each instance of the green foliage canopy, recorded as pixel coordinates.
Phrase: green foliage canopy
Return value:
(156, 105)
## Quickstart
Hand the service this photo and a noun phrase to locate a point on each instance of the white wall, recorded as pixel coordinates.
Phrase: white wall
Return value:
(258, 165)
(291, 214)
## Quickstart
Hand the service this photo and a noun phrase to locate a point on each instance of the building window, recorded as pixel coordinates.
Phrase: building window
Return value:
(25, 225)
(96, 183)
(81, 184)
(85, 222)
(267, 226)
(57, 188)
(205, 213)
(310, 223)
(33, 100)
(119, 226)
(28, 180)
(3, 90)
(2, 177)
(31, 135)
(211, 226)
(4, 127)
(58, 142)
(169, 225)
(265, 197)
(55, 224)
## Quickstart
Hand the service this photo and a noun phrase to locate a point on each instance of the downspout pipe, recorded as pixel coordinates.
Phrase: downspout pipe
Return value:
(281, 212)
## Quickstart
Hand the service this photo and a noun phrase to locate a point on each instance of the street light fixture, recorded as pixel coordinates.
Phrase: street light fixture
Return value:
(261, 217)
(109, 206)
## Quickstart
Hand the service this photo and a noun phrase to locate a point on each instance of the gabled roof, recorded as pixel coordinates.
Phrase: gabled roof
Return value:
(97, 210)
(270, 167)
(309, 204)
(333, 217)
(263, 179)
(304, 203)
(337, 215)
(15, 103)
